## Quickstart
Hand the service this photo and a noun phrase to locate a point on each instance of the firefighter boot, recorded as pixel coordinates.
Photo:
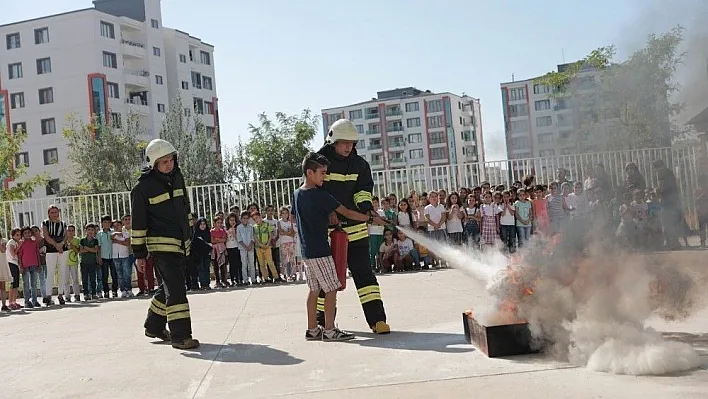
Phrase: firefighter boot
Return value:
(381, 328)
(188, 343)
(164, 335)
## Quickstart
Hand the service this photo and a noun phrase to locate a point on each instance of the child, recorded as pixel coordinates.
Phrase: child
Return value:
(286, 241)
(490, 224)
(121, 261)
(263, 232)
(453, 218)
(73, 244)
(473, 220)
(422, 203)
(312, 207)
(391, 211)
(641, 218)
(405, 215)
(218, 255)
(28, 257)
(90, 252)
(233, 251)
(507, 222)
(626, 231)
(524, 217)
(376, 234)
(5, 275)
(435, 215)
(274, 247)
(577, 202)
(106, 261)
(244, 237)
(407, 255)
(11, 252)
(388, 252)
(557, 209)
(42, 268)
(540, 211)
(423, 252)
(201, 251)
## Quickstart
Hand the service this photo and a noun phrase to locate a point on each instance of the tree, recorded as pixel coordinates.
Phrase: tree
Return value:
(235, 164)
(623, 104)
(106, 157)
(198, 156)
(276, 148)
(10, 145)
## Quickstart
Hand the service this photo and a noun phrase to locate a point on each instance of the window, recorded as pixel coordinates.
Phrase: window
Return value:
(434, 106)
(13, 41)
(374, 144)
(361, 144)
(519, 126)
(206, 83)
(415, 138)
(519, 143)
(413, 122)
(197, 80)
(156, 51)
(46, 96)
(199, 105)
(113, 90)
(518, 110)
(547, 153)
(161, 108)
(521, 155)
(331, 118)
(44, 65)
(187, 111)
(468, 135)
(49, 126)
(438, 153)
(183, 58)
(17, 100)
(435, 121)
(158, 79)
(41, 35)
(360, 129)
(545, 138)
(373, 128)
(185, 85)
(395, 126)
(412, 107)
(565, 135)
(108, 30)
(51, 156)
(562, 103)
(209, 107)
(518, 93)
(191, 56)
(53, 187)
(19, 127)
(110, 60)
(14, 71)
(437, 138)
(205, 57)
(543, 121)
(568, 151)
(22, 159)
(542, 105)
(116, 120)
(356, 114)
(155, 23)
(210, 131)
(541, 89)
(416, 154)
(565, 120)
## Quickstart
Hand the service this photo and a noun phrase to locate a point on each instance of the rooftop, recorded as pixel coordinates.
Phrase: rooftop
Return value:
(398, 94)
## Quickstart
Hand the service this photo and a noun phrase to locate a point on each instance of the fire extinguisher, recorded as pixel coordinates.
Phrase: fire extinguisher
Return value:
(339, 243)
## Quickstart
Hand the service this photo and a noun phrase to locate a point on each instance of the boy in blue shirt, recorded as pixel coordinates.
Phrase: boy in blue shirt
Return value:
(312, 207)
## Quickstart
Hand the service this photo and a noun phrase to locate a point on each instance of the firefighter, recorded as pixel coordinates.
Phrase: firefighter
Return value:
(349, 180)
(161, 228)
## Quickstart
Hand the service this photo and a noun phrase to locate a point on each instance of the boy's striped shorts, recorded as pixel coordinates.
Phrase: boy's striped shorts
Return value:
(322, 274)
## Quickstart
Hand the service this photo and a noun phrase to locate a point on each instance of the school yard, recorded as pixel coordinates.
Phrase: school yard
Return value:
(253, 347)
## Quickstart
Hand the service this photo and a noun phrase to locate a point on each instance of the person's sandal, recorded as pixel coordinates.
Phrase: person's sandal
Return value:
(164, 335)
(188, 343)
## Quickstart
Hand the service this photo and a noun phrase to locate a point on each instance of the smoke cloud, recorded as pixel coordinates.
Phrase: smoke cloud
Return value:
(587, 305)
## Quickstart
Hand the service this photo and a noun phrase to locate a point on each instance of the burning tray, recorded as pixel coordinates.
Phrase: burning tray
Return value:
(498, 341)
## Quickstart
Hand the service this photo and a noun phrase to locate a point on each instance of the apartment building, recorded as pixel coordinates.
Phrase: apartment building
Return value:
(408, 127)
(540, 125)
(105, 61)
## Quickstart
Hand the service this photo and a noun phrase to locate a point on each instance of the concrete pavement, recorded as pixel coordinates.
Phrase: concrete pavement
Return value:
(253, 347)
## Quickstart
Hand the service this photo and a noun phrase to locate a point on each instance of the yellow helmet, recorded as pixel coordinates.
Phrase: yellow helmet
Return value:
(342, 129)
(157, 149)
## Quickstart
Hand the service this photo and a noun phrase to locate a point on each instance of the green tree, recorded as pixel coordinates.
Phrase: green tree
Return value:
(10, 145)
(623, 104)
(105, 158)
(199, 157)
(235, 164)
(276, 148)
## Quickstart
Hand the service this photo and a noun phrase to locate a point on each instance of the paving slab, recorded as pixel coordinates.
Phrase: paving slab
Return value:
(253, 346)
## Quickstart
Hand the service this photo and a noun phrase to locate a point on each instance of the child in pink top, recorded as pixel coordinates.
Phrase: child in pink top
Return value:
(218, 255)
(28, 256)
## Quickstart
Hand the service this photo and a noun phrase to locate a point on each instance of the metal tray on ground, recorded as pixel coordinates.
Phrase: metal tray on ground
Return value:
(498, 341)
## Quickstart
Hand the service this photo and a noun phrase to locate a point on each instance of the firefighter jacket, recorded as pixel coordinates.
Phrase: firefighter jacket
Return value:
(350, 182)
(162, 221)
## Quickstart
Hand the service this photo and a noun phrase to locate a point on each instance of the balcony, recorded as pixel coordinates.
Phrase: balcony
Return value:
(373, 132)
(397, 144)
(394, 129)
(132, 48)
(137, 77)
(393, 113)
(130, 24)
(139, 104)
(398, 161)
(372, 116)
(376, 165)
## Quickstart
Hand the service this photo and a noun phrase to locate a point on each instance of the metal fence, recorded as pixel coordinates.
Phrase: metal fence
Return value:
(208, 200)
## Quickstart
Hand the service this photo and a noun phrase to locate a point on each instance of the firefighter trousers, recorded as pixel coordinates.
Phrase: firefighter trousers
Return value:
(169, 305)
(364, 278)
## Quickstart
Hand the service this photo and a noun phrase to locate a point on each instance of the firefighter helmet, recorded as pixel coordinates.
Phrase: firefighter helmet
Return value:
(157, 149)
(342, 129)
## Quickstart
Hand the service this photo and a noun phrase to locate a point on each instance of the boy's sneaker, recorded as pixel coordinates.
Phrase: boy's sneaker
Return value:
(115, 294)
(94, 297)
(77, 298)
(5, 309)
(36, 304)
(29, 305)
(61, 300)
(314, 334)
(141, 293)
(336, 334)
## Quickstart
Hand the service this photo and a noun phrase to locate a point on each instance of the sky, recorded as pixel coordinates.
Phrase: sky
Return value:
(284, 55)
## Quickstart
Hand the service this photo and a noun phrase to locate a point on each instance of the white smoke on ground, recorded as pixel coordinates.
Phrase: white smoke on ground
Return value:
(589, 309)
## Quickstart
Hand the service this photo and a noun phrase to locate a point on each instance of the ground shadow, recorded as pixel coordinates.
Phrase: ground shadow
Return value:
(414, 341)
(243, 353)
(699, 342)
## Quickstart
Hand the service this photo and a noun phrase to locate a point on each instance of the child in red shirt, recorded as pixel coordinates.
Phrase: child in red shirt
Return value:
(218, 255)
(28, 257)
